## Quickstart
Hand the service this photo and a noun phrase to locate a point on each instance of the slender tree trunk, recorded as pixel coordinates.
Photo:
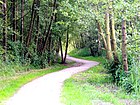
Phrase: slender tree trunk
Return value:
(109, 52)
(124, 43)
(41, 38)
(113, 36)
(102, 34)
(92, 51)
(57, 51)
(82, 42)
(4, 29)
(16, 19)
(37, 30)
(39, 44)
(67, 43)
(37, 23)
(46, 22)
(49, 27)
(22, 20)
(33, 15)
(99, 44)
(61, 49)
(22, 28)
(49, 49)
(113, 40)
(14, 25)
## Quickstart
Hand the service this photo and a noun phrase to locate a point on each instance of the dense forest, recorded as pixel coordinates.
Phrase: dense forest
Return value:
(39, 33)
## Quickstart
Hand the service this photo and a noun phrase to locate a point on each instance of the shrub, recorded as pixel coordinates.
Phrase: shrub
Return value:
(114, 69)
(129, 81)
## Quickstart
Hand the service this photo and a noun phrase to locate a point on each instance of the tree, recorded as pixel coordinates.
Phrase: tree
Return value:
(22, 20)
(67, 43)
(5, 29)
(113, 36)
(49, 27)
(124, 43)
(14, 17)
(109, 50)
(33, 15)
(102, 34)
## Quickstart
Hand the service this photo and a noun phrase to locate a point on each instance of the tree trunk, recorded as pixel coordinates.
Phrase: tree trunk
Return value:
(113, 36)
(37, 24)
(67, 43)
(28, 40)
(109, 52)
(4, 29)
(113, 39)
(61, 49)
(41, 36)
(22, 20)
(49, 27)
(57, 51)
(14, 24)
(99, 44)
(37, 31)
(124, 49)
(16, 19)
(102, 34)
(49, 50)
(82, 42)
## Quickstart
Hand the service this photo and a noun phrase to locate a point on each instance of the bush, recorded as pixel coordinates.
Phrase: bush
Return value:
(114, 69)
(129, 81)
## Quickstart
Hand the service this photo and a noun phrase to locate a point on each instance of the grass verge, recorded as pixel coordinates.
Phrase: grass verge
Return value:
(9, 85)
(94, 87)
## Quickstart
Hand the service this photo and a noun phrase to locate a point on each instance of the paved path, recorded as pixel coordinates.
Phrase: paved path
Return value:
(46, 90)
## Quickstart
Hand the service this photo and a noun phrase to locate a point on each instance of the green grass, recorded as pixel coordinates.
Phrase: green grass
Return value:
(91, 58)
(9, 85)
(94, 87)
(94, 84)
(80, 52)
(85, 54)
(83, 88)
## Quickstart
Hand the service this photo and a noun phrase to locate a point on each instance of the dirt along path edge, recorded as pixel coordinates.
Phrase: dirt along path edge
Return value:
(46, 90)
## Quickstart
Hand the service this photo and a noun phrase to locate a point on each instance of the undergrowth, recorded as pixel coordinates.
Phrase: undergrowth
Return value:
(129, 81)
(9, 69)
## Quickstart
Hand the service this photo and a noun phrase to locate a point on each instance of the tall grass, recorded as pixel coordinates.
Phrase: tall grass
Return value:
(8, 69)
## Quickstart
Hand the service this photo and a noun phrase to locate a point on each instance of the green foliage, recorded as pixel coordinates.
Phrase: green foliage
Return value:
(114, 69)
(12, 68)
(80, 52)
(131, 83)
(128, 81)
(74, 53)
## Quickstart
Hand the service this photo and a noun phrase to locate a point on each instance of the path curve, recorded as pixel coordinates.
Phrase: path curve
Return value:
(46, 90)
